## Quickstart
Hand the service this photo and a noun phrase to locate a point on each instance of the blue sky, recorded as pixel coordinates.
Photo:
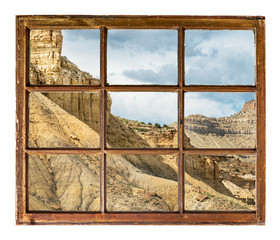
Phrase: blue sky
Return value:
(150, 57)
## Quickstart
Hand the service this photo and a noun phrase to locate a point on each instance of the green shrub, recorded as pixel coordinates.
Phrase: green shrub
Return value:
(157, 125)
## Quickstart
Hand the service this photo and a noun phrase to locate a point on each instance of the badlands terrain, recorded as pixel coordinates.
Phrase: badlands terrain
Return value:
(145, 182)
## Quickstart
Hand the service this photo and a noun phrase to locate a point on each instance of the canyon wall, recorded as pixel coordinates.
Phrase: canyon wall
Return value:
(235, 131)
(48, 67)
(243, 122)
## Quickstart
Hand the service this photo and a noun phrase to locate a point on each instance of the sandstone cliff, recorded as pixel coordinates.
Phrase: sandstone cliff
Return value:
(235, 131)
(48, 66)
(242, 122)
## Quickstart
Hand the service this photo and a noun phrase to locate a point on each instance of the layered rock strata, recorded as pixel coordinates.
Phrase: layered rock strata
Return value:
(243, 122)
(235, 131)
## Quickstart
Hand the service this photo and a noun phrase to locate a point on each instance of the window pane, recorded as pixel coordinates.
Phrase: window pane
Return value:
(142, 119)
(221, 57)
(142, 57)
(67, 57)
(220, 183)
(64, 182)
(64, 119)
(142, 183)
(220, 120)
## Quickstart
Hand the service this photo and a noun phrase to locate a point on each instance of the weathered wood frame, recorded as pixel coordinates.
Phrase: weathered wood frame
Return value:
(25, 23)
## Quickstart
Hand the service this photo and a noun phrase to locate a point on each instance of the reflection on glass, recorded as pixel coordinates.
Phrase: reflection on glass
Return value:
(63, 182)
(220, 120)
(219, 57)
(67, 57)
(220, 183)
(142, 119)
(64, 119)
(142, 183)
(142, 57)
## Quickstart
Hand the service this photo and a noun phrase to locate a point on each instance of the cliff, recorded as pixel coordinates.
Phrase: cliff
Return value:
(159, 137)
(47, 66)
(235, 131)
(242, 122)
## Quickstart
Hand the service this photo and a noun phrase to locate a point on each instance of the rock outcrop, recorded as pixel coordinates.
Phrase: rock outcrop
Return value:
(242, 122)
(45, 57)
(157, 137)
(47, 66)
(235, 131)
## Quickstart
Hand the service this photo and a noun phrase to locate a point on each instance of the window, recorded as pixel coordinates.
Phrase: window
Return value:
(140, 119)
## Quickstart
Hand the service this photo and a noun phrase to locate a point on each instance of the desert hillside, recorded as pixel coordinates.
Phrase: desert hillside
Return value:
(134, 182)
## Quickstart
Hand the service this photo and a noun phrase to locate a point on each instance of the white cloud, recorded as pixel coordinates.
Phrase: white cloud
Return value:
(145, 106)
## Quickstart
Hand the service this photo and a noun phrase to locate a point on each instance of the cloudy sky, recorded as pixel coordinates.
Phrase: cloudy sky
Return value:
(142, 57)
(154, 107)
(215, 104)
(219, 57)
(82, 47)
(150, 57)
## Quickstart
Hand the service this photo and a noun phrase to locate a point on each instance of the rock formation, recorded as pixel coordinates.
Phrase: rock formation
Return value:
(47, 66)
(159, 137)
(235, 131)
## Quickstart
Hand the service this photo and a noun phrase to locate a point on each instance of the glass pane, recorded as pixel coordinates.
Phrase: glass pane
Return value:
(141, 119)
(220, 57)
(142, 183)
(64, 119)
(220, 120)
(64, 182)
(65, 57)
(220, 183)
(142, 57)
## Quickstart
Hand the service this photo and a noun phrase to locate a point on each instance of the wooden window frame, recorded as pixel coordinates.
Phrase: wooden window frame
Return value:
(180, 23)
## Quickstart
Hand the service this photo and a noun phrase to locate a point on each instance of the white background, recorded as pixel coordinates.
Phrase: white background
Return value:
(8, 229)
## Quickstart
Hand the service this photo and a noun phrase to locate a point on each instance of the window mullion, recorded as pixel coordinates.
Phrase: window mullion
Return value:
(181, 169)
(103, 123)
